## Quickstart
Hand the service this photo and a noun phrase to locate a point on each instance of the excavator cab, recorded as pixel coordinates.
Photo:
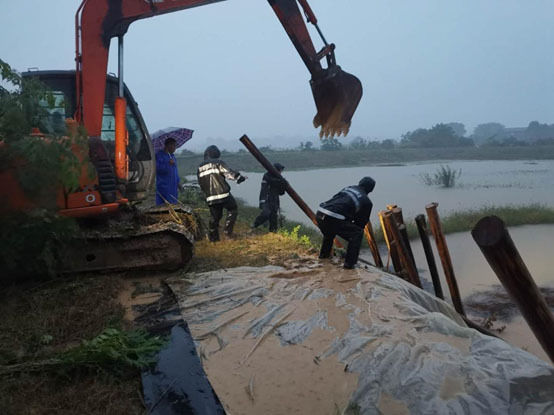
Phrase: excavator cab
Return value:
(140, 150)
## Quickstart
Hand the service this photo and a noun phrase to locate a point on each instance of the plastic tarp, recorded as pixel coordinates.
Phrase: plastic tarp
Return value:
(320, 339)
(178, 384)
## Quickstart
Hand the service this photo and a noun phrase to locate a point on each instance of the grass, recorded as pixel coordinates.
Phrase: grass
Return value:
(444, 176)
(307, 160)
(44, 320)
(461, 221)
(254, 248)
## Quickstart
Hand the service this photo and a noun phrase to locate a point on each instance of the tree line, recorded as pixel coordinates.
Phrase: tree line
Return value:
(451, 134)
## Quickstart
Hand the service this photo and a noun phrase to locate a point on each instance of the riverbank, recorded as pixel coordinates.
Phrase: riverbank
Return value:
(317, 159)
(465, 220)
(457, 221)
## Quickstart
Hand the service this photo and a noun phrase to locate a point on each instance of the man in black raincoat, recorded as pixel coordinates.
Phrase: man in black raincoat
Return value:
(272, 187)
(211, 178)
(346, 215)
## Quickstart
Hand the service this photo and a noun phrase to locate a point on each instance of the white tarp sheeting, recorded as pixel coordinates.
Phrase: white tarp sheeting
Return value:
(319, 339)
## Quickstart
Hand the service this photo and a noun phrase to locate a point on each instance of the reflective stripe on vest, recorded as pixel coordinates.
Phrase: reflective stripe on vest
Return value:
(330, 213)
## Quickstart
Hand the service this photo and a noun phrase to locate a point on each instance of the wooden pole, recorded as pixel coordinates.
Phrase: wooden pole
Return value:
(422, 229)
(370, 236)
(391, 243)
(497, 246)
(270, 168)
(397, 214)
(402, 251)
(444, 254)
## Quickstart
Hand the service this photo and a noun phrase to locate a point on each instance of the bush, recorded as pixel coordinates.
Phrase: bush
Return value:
(444, 176)
(303, 240)
(42, 164)
(29, 244)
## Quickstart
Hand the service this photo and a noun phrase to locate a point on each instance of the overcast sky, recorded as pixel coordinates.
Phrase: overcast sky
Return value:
(228, 68)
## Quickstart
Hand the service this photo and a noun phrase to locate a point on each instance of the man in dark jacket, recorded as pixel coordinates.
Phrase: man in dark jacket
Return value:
(167, 175)
(211, 178)
(272, 188)
(346, 215)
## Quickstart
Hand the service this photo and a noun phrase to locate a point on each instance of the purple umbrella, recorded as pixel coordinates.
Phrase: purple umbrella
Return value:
(180, 135)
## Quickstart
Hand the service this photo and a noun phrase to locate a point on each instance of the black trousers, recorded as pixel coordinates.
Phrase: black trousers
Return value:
(216, 212)
(268, 213)
(331, 227)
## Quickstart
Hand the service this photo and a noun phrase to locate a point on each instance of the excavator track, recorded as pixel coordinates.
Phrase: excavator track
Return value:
(141, 242)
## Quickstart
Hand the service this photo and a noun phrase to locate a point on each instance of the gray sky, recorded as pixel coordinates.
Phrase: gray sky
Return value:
(228, 68)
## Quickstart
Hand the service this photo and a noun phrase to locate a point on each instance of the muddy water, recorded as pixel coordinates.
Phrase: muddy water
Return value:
(473, 274)
(482, 183)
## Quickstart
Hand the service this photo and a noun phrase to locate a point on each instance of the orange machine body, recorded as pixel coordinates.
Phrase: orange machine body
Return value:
(96, 23)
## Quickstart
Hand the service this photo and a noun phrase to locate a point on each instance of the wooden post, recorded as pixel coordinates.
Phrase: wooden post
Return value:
(370, 236)
(397, 214)
(402, 251)
(444, 254)
(422, 229)
(497, 246)
(391, 243)
(270, 168)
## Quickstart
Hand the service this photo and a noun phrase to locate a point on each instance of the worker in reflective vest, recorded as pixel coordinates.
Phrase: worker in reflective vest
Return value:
(346, 215)
(211, 178)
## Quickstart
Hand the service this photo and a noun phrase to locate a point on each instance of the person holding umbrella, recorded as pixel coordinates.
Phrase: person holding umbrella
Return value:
(167, 176)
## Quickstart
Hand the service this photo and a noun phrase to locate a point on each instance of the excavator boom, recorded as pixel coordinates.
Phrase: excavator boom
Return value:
(336, 93)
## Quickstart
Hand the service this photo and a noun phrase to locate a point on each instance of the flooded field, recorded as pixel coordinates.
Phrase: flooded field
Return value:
(482, 183)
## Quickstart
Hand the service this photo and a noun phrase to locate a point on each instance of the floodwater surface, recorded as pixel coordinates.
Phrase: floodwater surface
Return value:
(481, 183)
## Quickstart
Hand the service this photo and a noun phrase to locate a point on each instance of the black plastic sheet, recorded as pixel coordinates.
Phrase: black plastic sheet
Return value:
(178, 383)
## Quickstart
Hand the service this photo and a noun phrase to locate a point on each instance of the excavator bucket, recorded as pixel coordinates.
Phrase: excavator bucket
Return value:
(336, 94)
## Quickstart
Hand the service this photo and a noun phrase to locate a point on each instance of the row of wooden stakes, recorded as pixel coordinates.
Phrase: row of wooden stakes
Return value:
(492, 237)
(400, 252)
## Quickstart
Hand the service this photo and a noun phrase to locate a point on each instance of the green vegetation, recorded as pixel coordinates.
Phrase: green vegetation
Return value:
(461, 221)
(249, 247)
(46, 322)
(42, 164)
(440, 135)
(297, 160)
(445, 176)
(30, 244)
(114, 350)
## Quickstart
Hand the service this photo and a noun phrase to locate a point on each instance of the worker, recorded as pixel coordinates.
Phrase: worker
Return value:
(167, 176)
(346, 215)
(211, 178)
(272, 187)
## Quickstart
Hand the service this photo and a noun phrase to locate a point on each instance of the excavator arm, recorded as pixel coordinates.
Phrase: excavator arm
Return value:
(336, 93)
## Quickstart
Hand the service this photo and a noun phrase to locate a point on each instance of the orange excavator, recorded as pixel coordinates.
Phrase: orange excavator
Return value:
(119, 145)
